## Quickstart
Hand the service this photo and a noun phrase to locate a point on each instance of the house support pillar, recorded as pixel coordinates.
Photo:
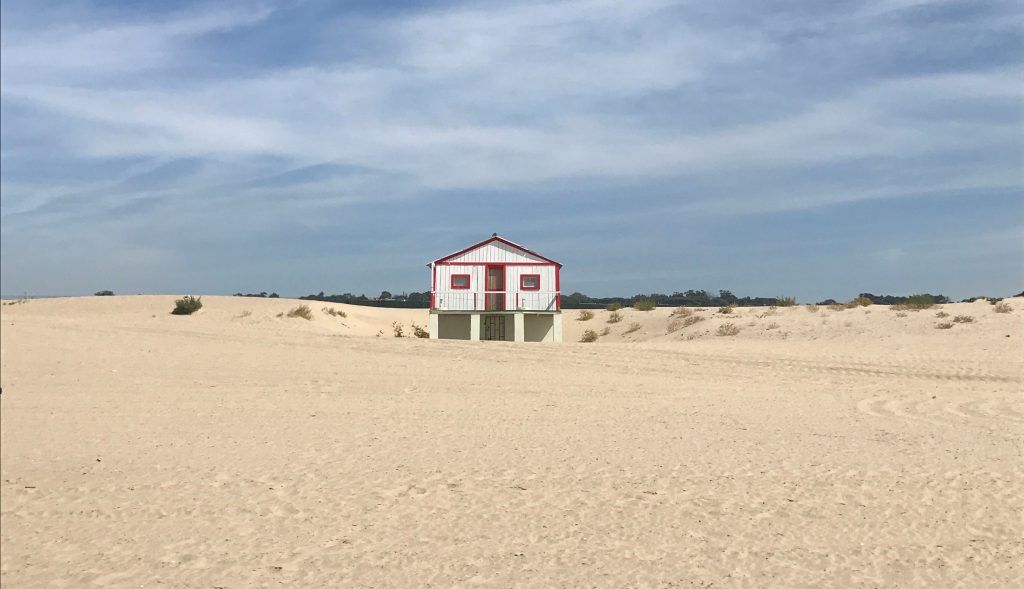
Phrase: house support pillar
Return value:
(474, 327)
(556, 329)
(519, 327)
(433, 327)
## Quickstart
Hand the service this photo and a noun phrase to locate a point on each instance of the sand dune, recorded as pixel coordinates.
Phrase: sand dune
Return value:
(239, 448)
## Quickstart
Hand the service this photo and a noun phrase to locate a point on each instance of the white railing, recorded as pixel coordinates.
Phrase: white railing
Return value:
(494, 300)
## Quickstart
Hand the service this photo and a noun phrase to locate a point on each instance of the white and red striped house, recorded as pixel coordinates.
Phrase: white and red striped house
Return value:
(496, 290)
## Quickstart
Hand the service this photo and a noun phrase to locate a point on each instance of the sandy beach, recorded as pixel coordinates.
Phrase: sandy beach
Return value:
(239, 447)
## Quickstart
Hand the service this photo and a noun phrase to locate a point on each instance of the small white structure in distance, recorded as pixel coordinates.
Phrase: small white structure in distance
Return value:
(496, 290)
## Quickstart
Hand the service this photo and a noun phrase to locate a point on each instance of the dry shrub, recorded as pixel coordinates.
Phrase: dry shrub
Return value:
(614, 317)
(613, 307)
(837, 307)
(692, 320)
(334, 312)
(772, 325)
(585, 316)
(419, 331)
(727, 329)
(726, 310)
(632, 327)
(916, 303)
(645, 305)
(589, 336)
(302, 311)
(945, 325)
(812, 308)
(674, 325)
(942, 314)
(785, 301)
(681, 312)
(859, 302)
(396, 329)
(901, 314)
(963, 319)
(1002, 307)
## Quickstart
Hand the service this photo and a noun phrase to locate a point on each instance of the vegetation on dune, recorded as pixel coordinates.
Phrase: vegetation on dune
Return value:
(1002, 307)
(396, 329)
(613, 307)
(945, 325)
(334, 312)
(859, 302)
(420, 332)
(727, 310)
(632, 327)
(918, 302)
(187, 305)
(645, 305)
(302, 311)
(812, 308)
(727, 329)
(681, 312)
(614, 317)
(585, 316)
(785, 301)
(963, 319)
(589, 336)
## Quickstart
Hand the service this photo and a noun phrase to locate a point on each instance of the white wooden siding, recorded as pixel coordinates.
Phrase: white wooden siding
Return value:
(496, 251)
(467, 300)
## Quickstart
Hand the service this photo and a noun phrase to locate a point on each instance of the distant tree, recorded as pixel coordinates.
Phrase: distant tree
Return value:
(385, 296)
(273, 295)
(105, 293)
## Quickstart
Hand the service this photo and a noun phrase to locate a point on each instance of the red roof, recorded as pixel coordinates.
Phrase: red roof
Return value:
(495, 237)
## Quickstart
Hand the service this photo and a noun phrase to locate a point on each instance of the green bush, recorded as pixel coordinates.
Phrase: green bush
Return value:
(785, 301)
(613, 307)
(645, 305)
(589, 336)
(187, 305)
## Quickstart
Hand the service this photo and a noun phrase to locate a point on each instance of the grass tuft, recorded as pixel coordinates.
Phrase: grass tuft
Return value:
(785, 301)
(632, 327)
(334, 312)
(963, 319)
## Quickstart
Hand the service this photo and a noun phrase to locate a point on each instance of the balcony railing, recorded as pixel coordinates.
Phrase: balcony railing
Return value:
(494, 300)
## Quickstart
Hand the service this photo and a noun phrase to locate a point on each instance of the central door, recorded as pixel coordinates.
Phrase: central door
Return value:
(495, 301)
(494, 327)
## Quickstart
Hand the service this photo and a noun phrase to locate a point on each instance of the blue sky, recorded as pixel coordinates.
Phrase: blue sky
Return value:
(815, 149)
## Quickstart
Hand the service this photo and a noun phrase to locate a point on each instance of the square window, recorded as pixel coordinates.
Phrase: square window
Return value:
(460, 281)
(529, 282)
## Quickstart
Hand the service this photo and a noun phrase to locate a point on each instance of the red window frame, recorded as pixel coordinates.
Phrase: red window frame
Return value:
(468, 282)
(522, 282)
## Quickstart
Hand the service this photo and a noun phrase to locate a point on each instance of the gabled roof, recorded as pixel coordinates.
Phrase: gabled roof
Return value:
(494, 237)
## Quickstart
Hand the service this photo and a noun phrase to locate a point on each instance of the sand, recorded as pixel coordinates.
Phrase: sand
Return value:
(235, 448)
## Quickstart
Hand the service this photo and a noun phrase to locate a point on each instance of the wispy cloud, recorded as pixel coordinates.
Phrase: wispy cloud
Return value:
(789, 106)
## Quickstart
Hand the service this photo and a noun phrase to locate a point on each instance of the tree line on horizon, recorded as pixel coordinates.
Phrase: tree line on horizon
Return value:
(578, 300)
